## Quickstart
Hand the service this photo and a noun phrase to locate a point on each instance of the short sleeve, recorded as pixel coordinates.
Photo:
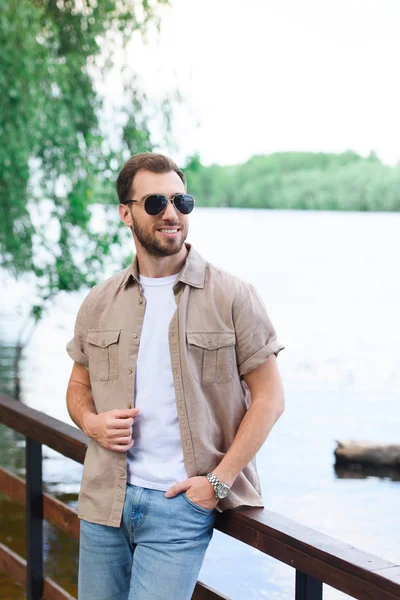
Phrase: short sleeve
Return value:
(256, 337)
(77, 347)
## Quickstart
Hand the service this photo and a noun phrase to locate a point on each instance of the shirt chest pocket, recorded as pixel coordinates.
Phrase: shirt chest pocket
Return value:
(212, 355)
(103, 353)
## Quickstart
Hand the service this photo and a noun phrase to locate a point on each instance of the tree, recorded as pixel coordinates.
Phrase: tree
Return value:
(55, 159)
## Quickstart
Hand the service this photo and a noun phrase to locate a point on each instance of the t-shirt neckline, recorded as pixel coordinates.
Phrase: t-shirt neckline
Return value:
(156, 281)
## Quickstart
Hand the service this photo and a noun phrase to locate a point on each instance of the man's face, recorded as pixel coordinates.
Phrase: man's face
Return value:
(147, 229)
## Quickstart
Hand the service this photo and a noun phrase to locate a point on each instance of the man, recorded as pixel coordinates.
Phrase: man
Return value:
(175, 383)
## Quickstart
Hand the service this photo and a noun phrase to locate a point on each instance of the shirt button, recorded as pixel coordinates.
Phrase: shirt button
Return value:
(140, 300)
(210, 344)
(129, 370)
(121, 472)
(103, 343)
(134, 335)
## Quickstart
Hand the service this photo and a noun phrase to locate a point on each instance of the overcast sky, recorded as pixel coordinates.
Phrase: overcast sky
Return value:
(259, 76)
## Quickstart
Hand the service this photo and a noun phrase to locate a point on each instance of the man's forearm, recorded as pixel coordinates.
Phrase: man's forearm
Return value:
(252, 433)
(80, 404)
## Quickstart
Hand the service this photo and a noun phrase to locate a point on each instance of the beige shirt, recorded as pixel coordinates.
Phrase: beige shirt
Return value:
(220, 331)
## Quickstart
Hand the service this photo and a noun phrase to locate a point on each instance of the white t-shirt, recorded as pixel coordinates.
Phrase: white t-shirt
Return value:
(156, 459)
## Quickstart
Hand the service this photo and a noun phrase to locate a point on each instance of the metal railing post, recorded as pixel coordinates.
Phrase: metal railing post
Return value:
(307, 588)
(34, 520)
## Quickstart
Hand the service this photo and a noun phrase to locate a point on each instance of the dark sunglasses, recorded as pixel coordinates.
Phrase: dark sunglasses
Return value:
(154, 204)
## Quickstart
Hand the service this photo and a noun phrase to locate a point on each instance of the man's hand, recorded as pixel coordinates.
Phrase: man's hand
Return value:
(198, 489)
(111, 429)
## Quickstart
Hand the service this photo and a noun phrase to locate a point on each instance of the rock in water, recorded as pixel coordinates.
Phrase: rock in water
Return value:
(367, 454)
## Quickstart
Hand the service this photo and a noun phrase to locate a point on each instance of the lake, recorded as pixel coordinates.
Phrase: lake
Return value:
(331, 286)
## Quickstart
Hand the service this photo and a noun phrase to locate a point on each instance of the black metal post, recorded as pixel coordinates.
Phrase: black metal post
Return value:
(34, 520)
(307, 588)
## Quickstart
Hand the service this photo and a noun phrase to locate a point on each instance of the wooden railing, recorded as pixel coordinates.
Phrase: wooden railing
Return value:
(316, 558)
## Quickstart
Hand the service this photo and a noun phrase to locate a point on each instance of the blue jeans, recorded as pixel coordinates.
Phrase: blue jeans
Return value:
(155, 554)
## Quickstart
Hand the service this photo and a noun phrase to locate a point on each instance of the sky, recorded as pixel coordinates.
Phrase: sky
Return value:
(262, 76)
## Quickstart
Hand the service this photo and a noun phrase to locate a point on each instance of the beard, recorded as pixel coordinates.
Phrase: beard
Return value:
(156, 247)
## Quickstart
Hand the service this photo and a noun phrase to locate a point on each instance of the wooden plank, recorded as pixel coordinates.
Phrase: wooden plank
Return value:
(12, 486)
(52, 591)
(62, 516)
(203, 592)
(65, 439)
(54, 511)
(392, 573)
(341, 566)
(13, 564)
(15, 567)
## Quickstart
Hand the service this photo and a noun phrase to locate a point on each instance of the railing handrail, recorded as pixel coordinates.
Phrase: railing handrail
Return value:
(60, 436)
(320, 556)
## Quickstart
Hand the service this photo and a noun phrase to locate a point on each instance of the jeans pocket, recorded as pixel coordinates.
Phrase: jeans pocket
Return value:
(197, 506)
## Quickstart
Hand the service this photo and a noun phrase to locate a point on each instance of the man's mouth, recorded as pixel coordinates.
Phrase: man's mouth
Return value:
(170, 232)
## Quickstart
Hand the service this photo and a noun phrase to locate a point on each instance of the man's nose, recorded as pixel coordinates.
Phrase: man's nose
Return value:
(170, 213)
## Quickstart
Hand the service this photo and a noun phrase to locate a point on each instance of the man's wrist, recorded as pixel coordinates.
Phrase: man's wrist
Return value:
(224, 476)
(87, 423)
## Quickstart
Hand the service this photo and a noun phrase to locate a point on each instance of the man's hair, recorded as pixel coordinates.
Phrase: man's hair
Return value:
(145, 161)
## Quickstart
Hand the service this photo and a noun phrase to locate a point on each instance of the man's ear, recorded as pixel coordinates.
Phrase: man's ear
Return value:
(125, 215)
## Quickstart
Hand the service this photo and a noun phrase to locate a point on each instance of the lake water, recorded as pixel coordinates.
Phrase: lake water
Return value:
(331, 286)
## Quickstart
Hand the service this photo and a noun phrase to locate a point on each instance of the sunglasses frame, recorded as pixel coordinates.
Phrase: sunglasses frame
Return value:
(164, 196)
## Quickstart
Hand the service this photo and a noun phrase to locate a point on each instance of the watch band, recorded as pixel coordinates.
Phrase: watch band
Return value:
(217, 484)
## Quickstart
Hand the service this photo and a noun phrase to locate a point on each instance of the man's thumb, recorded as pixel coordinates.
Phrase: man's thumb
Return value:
(176, 489)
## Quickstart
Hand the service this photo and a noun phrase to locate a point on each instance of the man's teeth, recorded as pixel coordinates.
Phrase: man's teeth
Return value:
(169, 230)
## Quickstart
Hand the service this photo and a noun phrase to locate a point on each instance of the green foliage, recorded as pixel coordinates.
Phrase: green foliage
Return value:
(54, 157)
(298, 180)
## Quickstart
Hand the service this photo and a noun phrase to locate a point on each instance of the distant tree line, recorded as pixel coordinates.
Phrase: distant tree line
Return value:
(298, 180)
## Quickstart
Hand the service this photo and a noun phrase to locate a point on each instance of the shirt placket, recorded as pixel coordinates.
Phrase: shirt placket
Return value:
(133, 351)
(175, 336)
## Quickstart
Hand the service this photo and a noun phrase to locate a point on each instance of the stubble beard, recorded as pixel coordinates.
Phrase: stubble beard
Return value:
(154, 246)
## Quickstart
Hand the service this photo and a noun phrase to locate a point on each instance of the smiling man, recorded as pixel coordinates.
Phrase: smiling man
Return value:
(175, 383)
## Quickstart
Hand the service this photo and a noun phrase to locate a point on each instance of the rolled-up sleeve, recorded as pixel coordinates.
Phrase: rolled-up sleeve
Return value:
(77, 347)
(256, 337)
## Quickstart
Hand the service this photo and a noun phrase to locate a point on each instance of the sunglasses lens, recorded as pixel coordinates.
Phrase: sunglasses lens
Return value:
(155, 204)
(184, 203)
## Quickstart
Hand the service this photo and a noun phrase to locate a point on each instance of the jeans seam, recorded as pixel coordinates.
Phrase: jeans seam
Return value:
(145, 504)
(144, 500)
(131, 518)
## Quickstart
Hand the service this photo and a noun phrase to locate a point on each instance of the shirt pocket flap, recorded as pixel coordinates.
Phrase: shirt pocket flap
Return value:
(211, 340)
(103, 338)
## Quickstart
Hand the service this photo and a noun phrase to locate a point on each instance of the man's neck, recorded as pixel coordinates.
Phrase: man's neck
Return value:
(163, 266)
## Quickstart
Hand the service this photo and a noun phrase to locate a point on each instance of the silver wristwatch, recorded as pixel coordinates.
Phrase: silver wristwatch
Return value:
(221, 489)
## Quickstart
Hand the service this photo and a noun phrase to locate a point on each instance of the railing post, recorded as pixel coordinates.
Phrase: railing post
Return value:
(34, 520)
(307, 588)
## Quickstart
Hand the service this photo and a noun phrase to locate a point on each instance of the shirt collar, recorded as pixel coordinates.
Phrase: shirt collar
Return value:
(193, 271)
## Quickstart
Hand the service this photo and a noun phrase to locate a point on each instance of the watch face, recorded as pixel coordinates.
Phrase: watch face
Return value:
(222, 491)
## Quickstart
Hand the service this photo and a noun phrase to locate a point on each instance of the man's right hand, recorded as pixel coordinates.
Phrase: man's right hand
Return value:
(111, 429)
